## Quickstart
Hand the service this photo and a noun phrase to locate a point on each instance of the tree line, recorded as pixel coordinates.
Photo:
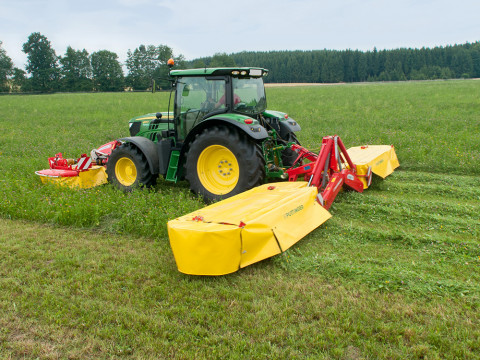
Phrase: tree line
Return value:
(331, 66)
(77, 70)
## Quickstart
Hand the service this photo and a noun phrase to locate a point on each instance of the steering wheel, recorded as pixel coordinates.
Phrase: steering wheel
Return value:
(240, 106)
(208, 105)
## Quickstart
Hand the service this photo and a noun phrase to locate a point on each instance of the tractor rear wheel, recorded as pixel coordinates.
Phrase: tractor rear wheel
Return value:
(222, 162)
(127, 168)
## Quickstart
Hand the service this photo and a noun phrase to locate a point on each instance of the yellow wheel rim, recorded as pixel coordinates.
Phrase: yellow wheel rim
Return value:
(218, 169)
(125, 171)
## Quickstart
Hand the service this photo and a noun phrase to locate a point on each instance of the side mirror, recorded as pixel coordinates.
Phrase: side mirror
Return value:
(186, 90)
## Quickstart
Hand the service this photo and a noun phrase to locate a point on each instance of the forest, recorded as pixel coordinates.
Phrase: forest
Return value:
(331, 66)
(146, 67)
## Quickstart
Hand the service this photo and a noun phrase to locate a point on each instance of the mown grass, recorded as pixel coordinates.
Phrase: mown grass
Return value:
(81, 294)
(394, 273)
(415, 243)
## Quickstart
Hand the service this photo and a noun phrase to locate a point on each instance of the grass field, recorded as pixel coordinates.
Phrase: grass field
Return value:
(394, 274)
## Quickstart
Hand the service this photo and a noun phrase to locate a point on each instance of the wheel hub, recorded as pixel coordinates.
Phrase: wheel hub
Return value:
(126, 171)
(218, 169)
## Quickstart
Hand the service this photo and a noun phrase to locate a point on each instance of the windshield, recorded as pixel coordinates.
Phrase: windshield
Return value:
(249, 95)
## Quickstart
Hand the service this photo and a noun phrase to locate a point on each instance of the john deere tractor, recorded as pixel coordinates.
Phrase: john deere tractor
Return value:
(219, 136)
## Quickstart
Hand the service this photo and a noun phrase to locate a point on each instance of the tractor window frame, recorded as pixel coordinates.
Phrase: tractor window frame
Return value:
(253, 101)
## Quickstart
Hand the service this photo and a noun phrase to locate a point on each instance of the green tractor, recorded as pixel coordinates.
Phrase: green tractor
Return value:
(220, 137)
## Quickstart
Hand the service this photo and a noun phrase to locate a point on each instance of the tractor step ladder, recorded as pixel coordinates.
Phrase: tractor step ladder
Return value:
(172, 166)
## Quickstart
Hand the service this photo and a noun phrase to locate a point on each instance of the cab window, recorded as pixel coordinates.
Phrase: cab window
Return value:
(196, 97)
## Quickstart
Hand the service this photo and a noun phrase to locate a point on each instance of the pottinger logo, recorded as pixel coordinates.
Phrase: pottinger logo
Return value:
(293, 212)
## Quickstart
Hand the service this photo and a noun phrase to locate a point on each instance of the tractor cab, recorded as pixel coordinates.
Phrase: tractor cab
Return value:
(203, 93)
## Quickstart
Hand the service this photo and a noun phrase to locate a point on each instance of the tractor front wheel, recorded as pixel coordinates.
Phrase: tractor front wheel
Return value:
(127, 168)
(222, 162)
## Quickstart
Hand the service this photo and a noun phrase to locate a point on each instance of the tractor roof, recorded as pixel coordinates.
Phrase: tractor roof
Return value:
(235, 71)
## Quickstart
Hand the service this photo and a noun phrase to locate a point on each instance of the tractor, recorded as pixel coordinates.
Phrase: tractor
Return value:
(220, 136)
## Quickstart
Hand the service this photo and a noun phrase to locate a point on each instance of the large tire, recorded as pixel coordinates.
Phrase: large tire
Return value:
(221, 162)
(127, 168)
(288, 155)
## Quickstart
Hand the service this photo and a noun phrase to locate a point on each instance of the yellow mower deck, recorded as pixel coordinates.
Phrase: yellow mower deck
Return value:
(381, 158)
(244, 229)
(92, 177)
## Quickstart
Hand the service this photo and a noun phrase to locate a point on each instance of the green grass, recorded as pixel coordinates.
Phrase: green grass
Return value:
(83, 294)
(434, 126)
(394, 273)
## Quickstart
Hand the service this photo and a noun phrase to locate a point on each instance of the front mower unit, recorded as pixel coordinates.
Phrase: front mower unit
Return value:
(82, 173)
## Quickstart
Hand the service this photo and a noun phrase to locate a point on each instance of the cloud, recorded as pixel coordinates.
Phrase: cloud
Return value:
(202, 28)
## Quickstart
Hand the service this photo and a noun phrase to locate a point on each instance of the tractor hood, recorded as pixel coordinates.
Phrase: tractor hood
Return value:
(142, 124)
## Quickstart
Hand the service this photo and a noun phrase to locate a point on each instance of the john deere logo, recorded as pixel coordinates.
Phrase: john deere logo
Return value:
(293, 212)
(378, 163)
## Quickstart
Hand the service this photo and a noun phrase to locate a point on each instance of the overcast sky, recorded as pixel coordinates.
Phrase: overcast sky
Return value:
(197, 28)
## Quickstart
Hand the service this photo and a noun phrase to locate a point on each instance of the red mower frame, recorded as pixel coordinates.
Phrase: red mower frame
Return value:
(328, 171)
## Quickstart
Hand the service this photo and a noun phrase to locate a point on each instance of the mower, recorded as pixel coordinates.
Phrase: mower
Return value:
(237, 155)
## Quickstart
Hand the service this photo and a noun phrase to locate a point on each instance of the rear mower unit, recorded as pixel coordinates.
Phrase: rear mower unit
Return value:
(221, 138)
(267, 220)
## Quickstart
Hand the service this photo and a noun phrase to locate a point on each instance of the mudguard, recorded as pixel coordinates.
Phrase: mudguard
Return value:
(254, 131)
(148, 148)
(287, 127)
(286, 123)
